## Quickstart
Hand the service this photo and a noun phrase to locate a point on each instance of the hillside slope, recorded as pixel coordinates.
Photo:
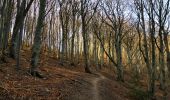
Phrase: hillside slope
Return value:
(58, 83)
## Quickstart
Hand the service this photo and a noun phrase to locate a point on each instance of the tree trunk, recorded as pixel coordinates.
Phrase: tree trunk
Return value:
(21, 13)
(73, 30)
(85, 45)
(119, 60)
(167, 52)
(37, 39)
(162, 63)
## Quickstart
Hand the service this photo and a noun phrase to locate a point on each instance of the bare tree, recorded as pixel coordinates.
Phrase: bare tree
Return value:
(162, 15)
(148, 8)
(75, 17)
(64, 20)
(22, 10)
(5, 19)
(37, 39)
(86, 17)
(115, 19)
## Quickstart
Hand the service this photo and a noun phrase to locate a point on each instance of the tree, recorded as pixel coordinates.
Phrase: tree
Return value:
(148, 8)
(162, 14)
(5, 25)
(64, 20)
(85, 19)
(115, 19)
(22, 10)
(74, 18)
(37, 39)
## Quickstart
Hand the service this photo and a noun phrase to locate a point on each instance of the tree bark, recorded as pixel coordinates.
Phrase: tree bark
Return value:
(37, 39)
(21, 13)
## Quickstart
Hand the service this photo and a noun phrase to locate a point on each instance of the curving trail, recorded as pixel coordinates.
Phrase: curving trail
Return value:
(95, 87)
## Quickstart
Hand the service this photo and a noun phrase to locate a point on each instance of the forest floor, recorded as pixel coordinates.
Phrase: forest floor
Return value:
(64, 82)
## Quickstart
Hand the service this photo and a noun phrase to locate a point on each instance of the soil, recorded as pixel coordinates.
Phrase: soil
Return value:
(61, 82)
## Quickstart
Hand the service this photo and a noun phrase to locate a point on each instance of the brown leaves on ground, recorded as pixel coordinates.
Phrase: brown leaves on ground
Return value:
(60, 82)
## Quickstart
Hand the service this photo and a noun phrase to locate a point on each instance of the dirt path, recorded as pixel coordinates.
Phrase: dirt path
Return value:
(95, 87)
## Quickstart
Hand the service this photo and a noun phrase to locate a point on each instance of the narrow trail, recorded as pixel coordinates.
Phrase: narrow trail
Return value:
(102, 89)
(95, 88)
